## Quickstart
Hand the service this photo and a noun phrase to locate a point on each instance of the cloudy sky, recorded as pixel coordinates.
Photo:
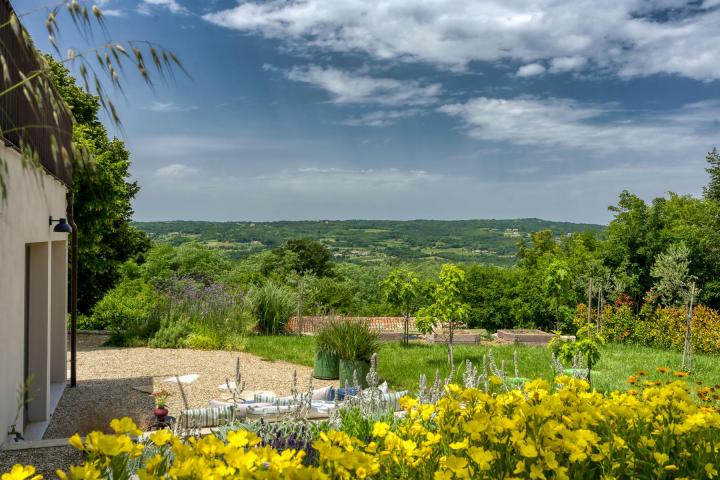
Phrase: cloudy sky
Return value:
(400, 109)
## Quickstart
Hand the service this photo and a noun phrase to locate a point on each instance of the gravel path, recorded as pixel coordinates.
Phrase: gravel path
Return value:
(110, 380)
(45, 460)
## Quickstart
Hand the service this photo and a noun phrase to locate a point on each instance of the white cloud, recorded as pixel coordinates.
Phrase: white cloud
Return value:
(530, 70)
(564, 123)
(146, 6)
(166, 107)
(566, 64)
(381, 118)
(622, 36)
(175, 170)
(352, 88)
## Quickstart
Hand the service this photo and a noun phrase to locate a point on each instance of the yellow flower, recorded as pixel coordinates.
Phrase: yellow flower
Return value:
(84, 472)
(455, 464)
(536, 472)
(528, 450)
(663, 369)
(125, 425)
(76, 442)
(495, 380)
(442, 475)
(380, 429)
(20, 472)
(710, 470)
(661, 458)
(161, 437)
(681, 374)
(459, 445)
(482, 457)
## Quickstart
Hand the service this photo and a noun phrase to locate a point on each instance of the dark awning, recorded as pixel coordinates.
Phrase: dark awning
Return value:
(41, 126)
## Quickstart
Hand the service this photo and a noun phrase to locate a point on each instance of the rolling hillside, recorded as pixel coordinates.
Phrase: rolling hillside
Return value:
(367, 241)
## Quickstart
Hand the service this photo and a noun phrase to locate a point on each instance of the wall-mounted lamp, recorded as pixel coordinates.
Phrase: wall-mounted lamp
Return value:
(62, 225)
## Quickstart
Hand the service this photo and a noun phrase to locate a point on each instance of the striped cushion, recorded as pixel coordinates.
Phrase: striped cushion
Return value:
(206, 417)
(264, 397)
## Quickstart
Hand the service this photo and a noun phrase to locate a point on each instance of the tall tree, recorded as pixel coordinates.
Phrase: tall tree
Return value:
(712, 190)
(303, 256)
(402, 289)
(103, 195)
(448, 305)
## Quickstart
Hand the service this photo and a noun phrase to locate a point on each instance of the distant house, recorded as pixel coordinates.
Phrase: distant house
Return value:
(33, 256)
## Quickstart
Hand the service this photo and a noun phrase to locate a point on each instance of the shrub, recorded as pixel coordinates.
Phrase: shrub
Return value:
(572, 432)
(663, 327)
(172, 333)
(325, 340)
(126, 310)
(350, 339)
(272, 305)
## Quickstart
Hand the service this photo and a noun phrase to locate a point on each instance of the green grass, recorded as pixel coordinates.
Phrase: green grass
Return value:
(402, 365)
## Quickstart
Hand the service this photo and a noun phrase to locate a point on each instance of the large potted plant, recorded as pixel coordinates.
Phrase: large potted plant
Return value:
(354, 343)
(327, 362)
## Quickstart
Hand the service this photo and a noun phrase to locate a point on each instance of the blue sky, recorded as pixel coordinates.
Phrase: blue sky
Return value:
(401, 109)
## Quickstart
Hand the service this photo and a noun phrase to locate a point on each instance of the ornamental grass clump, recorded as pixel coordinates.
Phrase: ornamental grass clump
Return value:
(559, 431)
(353, 339)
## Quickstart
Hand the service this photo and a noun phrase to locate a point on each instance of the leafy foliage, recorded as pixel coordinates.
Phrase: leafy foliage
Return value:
(272, 305)
(712, 190)
(672, 273)
(348, 339)
(103, 196)
(448, 305)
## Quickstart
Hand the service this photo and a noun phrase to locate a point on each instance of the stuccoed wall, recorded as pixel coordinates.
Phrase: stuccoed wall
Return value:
(32, 196)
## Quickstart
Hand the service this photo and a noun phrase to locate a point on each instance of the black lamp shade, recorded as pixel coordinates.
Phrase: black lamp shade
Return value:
(62, 226)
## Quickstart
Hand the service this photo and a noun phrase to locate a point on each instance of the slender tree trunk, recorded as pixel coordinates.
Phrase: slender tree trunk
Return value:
(589, 304)
(687, 349)
(407, 329)
(451, 359)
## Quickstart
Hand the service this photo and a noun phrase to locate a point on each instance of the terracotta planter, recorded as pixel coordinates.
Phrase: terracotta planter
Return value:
(160, 413)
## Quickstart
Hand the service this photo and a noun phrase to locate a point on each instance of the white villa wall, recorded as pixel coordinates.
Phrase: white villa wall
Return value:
(32, 196)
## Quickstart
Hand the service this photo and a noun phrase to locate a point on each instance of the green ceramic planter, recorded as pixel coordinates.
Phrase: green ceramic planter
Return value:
(347, 367)
(326, 366)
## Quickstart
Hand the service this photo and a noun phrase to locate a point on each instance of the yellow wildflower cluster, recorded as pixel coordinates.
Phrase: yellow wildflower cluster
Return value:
(565, 431)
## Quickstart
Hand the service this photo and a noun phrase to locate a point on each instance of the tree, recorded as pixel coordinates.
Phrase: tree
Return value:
(303, 256)
(671, 272)
(712, 190)
(103, 195)
(558, 288)
(401, 289)
(448, 304)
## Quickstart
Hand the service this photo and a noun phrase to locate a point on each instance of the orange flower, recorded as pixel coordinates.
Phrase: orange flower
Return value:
(681, 374)
(663, 369)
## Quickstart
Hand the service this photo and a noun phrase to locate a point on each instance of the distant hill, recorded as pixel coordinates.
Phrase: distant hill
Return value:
(368, 241)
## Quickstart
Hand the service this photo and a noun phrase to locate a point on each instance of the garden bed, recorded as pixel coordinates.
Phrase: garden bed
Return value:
(531, 337)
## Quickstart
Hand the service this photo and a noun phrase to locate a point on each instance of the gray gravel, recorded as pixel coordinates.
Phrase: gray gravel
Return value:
(45, 460)
(109, 379)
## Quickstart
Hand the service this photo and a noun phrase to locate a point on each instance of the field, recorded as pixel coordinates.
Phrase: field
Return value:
(370, 241)
(401, 366)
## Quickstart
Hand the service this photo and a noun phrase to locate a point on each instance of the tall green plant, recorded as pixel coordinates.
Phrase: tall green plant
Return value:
(272, 305)
(402, 289)
(448, 304)
(349, 339)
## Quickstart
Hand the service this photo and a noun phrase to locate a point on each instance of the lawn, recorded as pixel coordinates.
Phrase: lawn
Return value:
(402, 365)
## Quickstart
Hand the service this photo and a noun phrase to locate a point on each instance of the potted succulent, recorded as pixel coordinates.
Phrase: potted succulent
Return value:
(326, 357)
(354, 343)
(160, 409)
